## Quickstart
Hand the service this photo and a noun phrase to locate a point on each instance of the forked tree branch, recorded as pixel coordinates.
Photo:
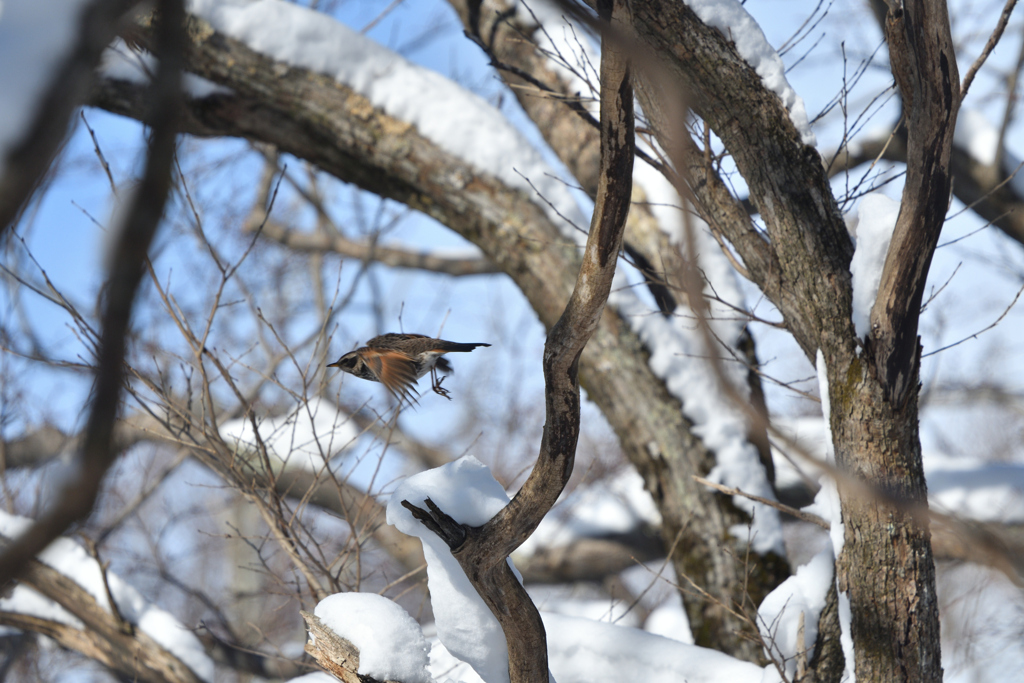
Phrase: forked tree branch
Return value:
(924, 64)
(482, 551)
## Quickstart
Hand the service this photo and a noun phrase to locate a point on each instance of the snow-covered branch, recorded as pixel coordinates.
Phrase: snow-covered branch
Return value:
(72, 598)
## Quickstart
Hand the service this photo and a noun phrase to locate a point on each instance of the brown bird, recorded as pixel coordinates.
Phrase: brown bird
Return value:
(398, 360)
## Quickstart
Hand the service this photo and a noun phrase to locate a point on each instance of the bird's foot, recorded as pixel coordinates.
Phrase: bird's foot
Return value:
(441, 391)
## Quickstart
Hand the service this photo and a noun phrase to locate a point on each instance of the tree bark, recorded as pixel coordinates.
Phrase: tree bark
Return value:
(886, 566)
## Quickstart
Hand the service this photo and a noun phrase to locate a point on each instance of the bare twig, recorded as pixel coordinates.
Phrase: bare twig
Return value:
(993, 40)
(732, 491)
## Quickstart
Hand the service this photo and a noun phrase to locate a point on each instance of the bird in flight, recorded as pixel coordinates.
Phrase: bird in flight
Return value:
(398, 360)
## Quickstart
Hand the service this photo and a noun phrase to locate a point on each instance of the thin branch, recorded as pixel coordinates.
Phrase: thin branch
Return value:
(993, 40)
(322, 242)
(732, 491)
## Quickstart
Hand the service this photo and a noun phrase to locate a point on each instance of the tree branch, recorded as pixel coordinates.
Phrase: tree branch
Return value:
(482, 551)
(321, 242)
(924, 65)
(130, 652)
(126, 272)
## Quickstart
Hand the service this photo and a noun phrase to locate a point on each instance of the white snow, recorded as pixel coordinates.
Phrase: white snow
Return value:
(778, 616)
(444, 666)
(72, 560)
(442, 111)
(679, 357)
(729, 17)
(306, 437)
(873, 227)
(973, 489)
(34, 38)
(466, 491)
(976, 136)
(615, 505)
(981, 619)
(668, 620)
(24, 600)
(390, 642)
(585, 651)
(827, 505)
(315, 677)
(616, 612)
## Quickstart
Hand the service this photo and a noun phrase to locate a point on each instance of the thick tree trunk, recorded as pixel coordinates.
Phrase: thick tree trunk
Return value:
(886, 566)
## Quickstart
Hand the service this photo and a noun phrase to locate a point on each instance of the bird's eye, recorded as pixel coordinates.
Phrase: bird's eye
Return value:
(348, 361)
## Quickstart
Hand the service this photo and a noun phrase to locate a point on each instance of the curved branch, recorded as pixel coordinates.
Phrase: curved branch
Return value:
(482, 551)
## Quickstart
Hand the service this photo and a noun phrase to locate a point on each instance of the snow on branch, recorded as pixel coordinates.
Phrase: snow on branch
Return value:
(362, 637)
(442, 111)
(68, 595)
(736, 24)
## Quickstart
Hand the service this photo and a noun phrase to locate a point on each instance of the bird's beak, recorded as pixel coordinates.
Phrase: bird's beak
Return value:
(335, 364)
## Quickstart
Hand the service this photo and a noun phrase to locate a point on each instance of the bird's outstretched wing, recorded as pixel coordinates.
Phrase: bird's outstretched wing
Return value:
(395, 370)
